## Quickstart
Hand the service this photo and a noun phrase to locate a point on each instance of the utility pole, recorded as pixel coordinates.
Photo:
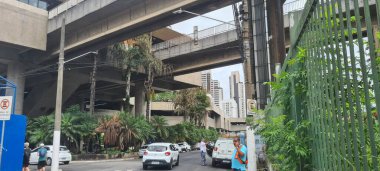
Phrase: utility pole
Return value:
(58, 102)
(93, 86)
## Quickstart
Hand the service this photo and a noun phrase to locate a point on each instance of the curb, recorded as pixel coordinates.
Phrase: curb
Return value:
(109, 160)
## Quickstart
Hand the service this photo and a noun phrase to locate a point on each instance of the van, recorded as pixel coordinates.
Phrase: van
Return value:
(223, 150)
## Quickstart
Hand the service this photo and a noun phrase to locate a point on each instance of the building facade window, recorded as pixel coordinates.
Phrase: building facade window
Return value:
(36, 3)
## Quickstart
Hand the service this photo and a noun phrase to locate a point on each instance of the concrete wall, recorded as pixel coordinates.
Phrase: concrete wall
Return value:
(23, 25)
(105, 112)
(211, 122)
(238, 128)
(164, 106)
(174, 120)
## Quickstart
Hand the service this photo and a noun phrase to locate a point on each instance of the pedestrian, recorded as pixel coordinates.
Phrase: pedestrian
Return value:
(27, 151)
(42, 158)
(203, 152)
(239, 156)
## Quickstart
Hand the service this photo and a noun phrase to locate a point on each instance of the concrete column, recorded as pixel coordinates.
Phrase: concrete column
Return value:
(140, 102)
(205, 120)
(14, 74)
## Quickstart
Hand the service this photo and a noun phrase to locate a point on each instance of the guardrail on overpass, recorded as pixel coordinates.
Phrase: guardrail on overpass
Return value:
(222, 28)
(295, 5)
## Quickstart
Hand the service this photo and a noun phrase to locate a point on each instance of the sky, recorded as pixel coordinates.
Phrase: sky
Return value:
(224, 14)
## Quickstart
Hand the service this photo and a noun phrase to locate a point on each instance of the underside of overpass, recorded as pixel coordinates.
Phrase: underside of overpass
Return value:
(92, 25)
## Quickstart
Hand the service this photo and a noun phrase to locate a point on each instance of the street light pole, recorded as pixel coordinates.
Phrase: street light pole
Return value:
(58, 102)
(180, 11)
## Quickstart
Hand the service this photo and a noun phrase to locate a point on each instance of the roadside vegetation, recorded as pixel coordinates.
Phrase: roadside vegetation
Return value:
(85, 133)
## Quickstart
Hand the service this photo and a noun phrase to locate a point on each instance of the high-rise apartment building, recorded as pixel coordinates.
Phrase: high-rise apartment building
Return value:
(212, 87)
(217, 93)
(242, 102)
(234, 79)
(230, 108)
(206, 80)
(237, 93)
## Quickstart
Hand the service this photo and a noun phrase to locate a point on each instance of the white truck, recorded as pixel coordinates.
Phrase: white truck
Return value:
(223, 150)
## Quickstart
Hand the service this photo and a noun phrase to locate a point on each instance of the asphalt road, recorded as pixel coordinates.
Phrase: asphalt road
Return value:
(189, 161)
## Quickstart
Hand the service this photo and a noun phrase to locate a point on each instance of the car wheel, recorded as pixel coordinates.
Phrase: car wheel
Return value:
(48, 161)
(170, 167)
(145, 167)
(66, 162)
(213, 163)
(177, 163)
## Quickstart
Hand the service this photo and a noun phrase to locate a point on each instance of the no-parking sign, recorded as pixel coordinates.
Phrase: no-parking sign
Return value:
(5, 107)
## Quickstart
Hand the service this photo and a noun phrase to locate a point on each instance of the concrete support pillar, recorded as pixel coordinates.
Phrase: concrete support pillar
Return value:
(14, 74)
(140, 102)
(206, 120)
(277, 33)
(249, 72)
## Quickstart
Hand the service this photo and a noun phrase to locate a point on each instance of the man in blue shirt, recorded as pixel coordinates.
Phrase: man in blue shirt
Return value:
(42, 158)
(239, 156)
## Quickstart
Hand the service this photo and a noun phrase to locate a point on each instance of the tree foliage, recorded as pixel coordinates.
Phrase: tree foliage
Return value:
(192, 104)
(75, 126)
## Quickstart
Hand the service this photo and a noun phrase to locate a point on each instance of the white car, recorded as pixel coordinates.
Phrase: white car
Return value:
(178, 147)
(184, 146)
(161, 154)
(64, 155)
(223, 150)
(142, 150)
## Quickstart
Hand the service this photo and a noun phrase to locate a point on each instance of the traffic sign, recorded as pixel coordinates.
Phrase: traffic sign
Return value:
(5, 107)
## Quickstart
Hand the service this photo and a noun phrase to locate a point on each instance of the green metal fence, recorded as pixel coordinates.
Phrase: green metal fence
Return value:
(335, 60)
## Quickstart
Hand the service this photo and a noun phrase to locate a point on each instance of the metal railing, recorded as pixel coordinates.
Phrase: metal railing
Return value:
(190, 37)
(63, 7)
(295, 5)
(330, 79)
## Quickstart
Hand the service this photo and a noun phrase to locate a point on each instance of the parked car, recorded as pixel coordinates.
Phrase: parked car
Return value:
(142, 150)
(178, 147)
(184, 146)
(64, 155)
(196, 146)
(161, 154)
(223, 151)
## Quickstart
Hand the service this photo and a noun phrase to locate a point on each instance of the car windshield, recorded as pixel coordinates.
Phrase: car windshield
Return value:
(144, 147)
(157, 148)
(180, 144)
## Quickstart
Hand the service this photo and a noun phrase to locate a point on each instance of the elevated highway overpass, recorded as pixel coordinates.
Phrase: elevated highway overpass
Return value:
(217, 46)
(94, 24)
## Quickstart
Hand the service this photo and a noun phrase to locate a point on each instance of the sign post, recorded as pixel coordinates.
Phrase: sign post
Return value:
(7, 106)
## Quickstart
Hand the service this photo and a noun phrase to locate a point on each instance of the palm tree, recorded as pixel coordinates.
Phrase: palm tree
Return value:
(110, 126)
(69, 130)
(134, 55)
(153, 67)
(134, 130)
(124, 130)
(128, 59)
(160, 126)
(40, 129)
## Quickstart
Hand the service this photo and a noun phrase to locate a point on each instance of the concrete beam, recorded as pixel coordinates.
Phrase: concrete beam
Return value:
(208, 61)
(23, 25)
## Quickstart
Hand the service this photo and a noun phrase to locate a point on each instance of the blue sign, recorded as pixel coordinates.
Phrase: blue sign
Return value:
(14, 138)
